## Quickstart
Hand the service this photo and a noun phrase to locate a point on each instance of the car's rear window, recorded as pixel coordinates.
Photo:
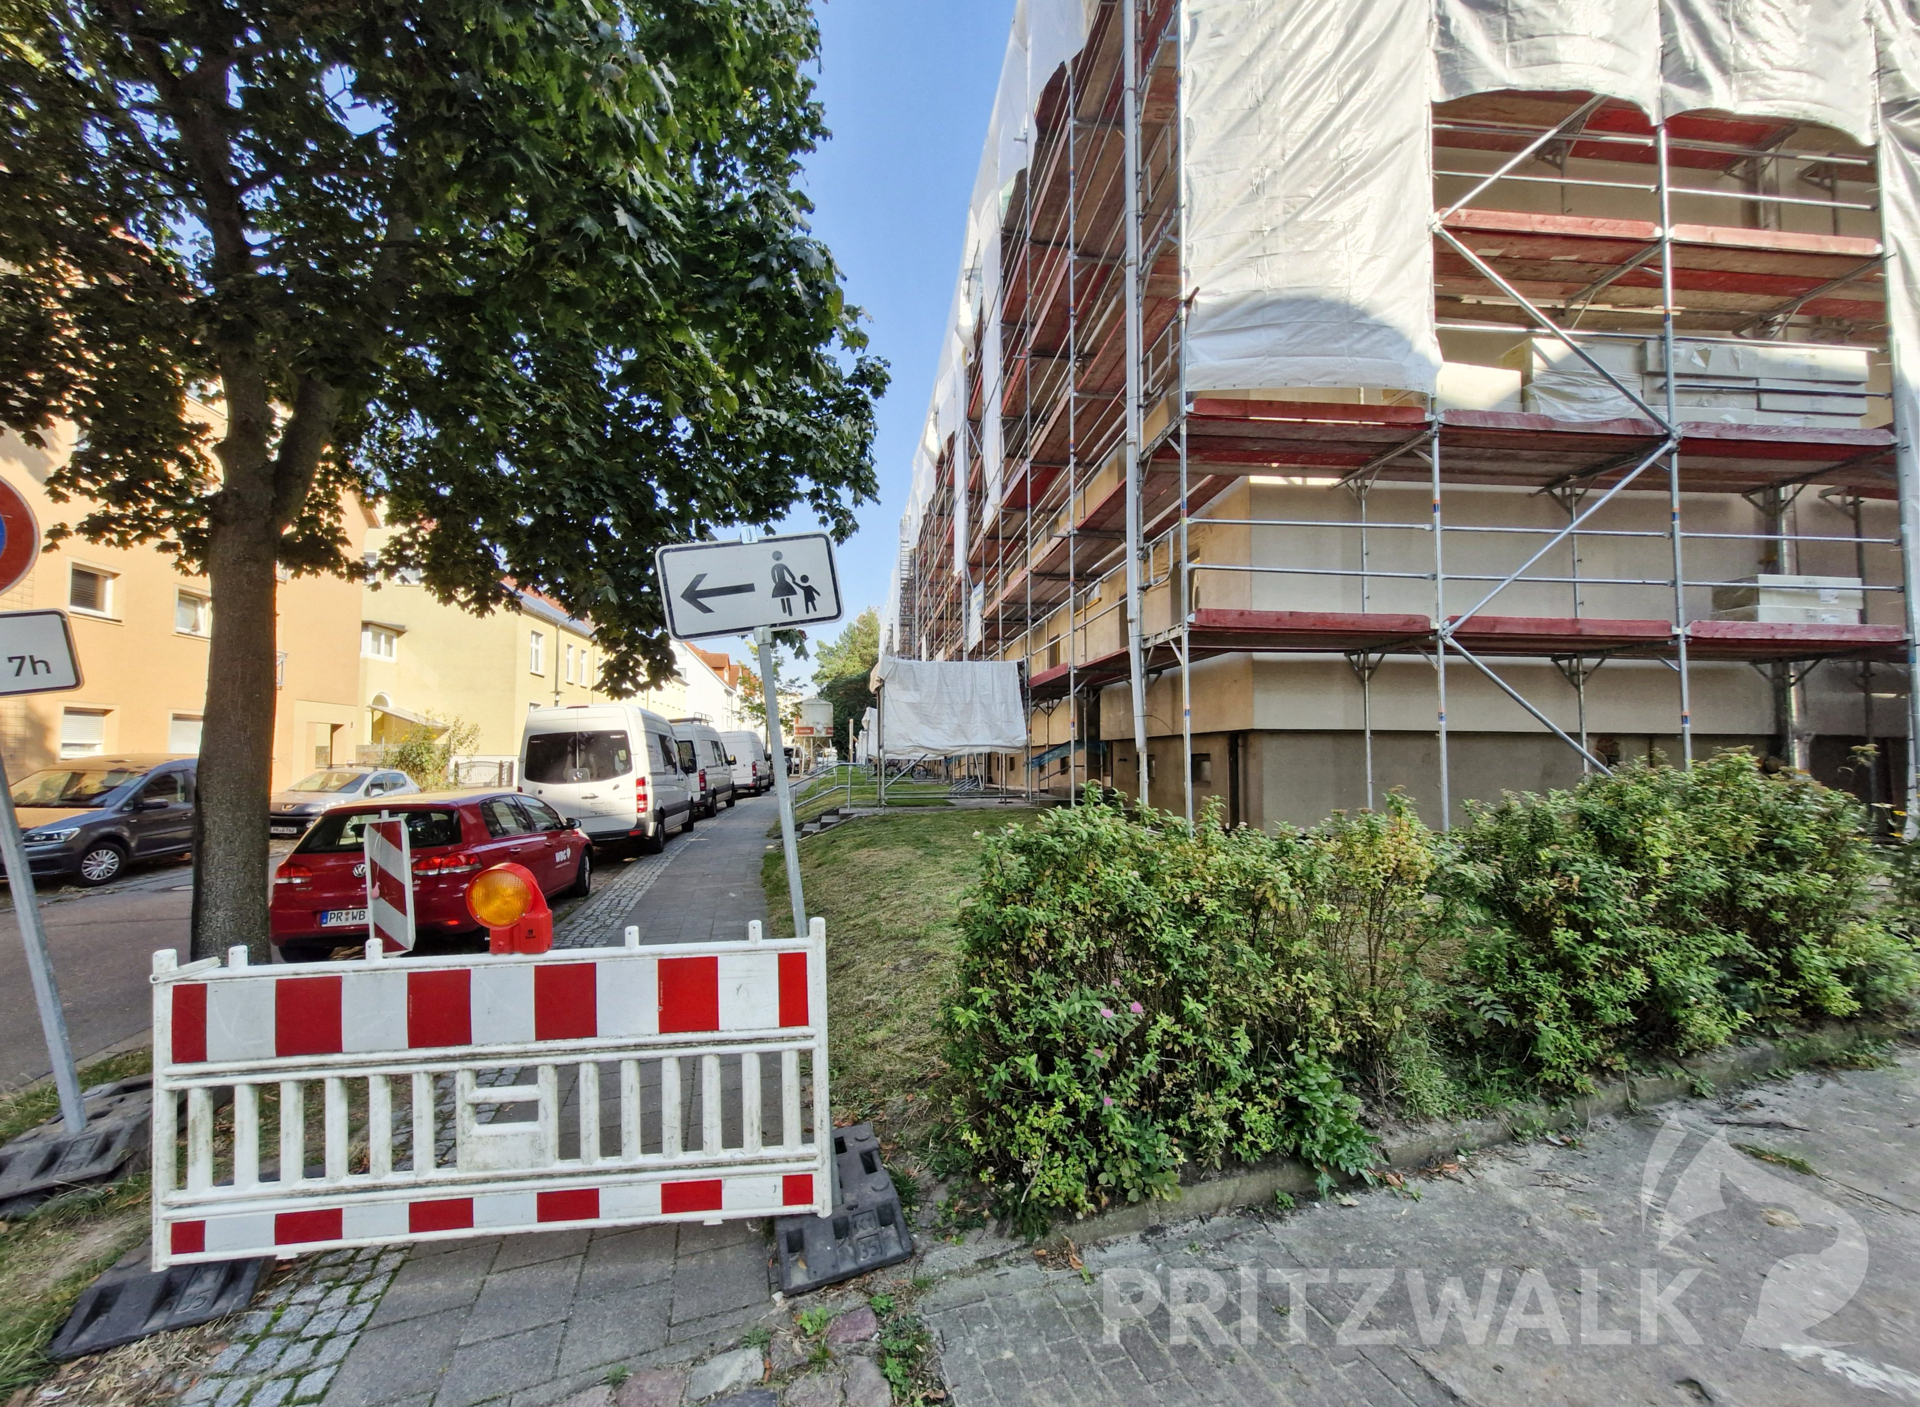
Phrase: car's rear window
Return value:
(339, 832)
(578, 757)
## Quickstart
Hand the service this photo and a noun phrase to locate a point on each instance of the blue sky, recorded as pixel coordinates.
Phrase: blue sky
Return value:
(908, 87)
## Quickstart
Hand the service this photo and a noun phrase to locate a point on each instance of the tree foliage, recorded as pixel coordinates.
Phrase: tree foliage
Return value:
(843, 669)
(536, 277)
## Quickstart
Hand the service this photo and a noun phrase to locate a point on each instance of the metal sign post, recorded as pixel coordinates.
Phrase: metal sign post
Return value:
(770, 688)
(37, 656)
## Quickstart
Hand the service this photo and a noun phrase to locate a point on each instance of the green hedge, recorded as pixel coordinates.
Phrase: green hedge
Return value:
(1137, 997)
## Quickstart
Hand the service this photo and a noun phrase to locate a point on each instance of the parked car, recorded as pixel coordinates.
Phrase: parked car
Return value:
(320, 889)
(615, 766)
(89, 817)
(752, 769)
(712, 770)
(291, 811)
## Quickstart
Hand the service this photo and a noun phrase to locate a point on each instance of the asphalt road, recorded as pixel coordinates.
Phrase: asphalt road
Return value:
(102, 942)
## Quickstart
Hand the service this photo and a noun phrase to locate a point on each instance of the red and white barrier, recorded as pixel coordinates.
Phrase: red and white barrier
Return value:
(720, 1026)
(389, 852)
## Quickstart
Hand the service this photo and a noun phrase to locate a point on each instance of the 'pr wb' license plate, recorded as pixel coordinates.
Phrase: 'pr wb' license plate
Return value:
(340, 918)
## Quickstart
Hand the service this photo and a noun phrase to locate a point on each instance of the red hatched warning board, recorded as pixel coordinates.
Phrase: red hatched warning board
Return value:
(358, 1103)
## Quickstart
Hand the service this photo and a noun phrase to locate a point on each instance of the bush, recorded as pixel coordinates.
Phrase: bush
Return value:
(1137, 997)
(1661, 910)
(1133, 998)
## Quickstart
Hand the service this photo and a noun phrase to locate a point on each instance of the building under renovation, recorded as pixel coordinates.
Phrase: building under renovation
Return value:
(1452, 395)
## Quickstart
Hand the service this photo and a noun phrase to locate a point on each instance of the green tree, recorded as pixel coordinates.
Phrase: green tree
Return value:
(536, 278)
(844, 667)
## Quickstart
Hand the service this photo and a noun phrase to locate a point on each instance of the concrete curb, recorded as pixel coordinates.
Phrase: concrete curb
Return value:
(1244, 1187)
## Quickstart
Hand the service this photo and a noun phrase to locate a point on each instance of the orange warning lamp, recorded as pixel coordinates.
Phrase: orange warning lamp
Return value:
(507, 900)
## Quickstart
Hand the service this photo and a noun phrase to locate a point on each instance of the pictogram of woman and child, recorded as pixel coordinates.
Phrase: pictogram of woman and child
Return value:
(786, 586)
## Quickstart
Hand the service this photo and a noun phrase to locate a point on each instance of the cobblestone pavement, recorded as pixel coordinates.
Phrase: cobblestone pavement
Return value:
(1760, 1249)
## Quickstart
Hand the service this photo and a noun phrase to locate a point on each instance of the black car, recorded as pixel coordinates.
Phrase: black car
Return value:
(90, 816)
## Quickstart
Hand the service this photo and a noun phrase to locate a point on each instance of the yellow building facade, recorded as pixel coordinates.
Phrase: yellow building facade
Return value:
(141, 627)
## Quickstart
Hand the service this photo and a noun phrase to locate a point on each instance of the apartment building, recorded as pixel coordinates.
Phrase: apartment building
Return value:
(424, 663)
(141, 627)
(1439, 394)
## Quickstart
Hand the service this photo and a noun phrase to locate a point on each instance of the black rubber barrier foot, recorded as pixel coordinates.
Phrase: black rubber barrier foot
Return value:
(866, 1231)
(130, 1302)
(47, 1161)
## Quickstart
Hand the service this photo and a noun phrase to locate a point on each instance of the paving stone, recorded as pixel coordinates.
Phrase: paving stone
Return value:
(757, 1397)
(787, 1352)
(324, 1323)
(397, 1360)
(652, 1387)
(299, 1353)
(266, 1353)
(728, 1370)
(612, 1328)
(695, 1238)
(234, 1392)
(273, 1393)
(354, 1315)
(866, 1385)
(855, 1326)
(314, 1385)
(520, 1299)
(718, 1281)
(599, 1395)
(202, 1392)
(627, 1260)
(293, 1318)
(814, 1390)
(516, 1251)
(339, 1297)
(230, 1357)
(498, 1366)
(435, 1283)
(332, 1350)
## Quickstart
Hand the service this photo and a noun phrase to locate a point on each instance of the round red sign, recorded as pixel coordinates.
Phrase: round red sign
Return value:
(19, 536)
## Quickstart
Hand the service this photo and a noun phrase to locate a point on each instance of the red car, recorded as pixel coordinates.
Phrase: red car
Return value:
(320, 890)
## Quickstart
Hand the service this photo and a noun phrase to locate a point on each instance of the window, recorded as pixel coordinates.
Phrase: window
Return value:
(83, 732)
(379, 642)
(339, 831)
(688, 761)
(183, 733)
(578, 757)
(503, 818)
(192, 614)
(1203, 767)
(170, 787)
(540, 816)
(537, 652)
(91, 590)
(569, 659)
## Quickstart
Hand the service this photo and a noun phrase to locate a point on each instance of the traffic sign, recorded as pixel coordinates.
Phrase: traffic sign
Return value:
(36, 653)
(19, 536)
(730, 588)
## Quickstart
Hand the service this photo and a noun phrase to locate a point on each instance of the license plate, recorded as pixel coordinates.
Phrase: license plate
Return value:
(284, 830)
(340, 918)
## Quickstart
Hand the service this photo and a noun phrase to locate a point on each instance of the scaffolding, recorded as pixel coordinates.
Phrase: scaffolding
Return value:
(1079, 558)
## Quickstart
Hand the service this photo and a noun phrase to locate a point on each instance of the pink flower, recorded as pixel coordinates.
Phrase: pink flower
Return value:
(1106, 1013)
(1116, 983)
(1107, 1100)
(1101, 1054)
(1135, 1008)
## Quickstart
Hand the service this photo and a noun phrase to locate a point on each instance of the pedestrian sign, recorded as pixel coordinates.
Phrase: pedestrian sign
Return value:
(730, 588)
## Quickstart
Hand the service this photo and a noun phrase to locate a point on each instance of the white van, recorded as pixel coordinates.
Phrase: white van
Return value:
(704, 758)
(613, 767)
(752, 773)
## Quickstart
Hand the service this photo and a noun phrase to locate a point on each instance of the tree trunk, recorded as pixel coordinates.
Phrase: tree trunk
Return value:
(230, 873)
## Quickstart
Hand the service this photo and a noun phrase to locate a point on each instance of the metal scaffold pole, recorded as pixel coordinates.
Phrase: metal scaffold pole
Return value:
(1673, 449)
(1183, 580)
(1130, 123)
(1440, 634)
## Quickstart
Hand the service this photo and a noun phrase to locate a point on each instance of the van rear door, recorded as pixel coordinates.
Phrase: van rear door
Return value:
(585, 773)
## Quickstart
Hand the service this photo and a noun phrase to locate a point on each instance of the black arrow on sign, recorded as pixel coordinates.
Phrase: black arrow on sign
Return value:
(697, 598)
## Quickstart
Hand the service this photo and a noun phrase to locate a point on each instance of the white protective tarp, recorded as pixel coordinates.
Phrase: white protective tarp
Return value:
(1805, 59)
(1308, 256)
(1548, 46)
(942, 708)
(1897, 26)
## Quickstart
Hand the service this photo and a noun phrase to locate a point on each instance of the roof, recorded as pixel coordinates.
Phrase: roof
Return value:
(720, 663)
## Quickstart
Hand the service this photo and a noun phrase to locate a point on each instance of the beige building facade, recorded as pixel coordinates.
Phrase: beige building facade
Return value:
(141, 628)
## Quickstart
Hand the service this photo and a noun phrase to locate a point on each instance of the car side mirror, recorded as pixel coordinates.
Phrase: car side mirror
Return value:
(732, 761)
(567, 823)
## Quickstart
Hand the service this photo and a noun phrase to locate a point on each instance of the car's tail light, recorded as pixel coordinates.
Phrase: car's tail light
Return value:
(703, 779)
(639, 796)
(453, 862)
(292, 873)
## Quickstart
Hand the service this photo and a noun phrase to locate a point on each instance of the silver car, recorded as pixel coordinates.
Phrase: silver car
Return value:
(290, 812)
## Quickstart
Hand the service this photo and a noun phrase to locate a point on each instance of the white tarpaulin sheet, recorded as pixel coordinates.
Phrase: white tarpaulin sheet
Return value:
(1549, 46)
(941, 708)
(1807, 59)
(1307, 254)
